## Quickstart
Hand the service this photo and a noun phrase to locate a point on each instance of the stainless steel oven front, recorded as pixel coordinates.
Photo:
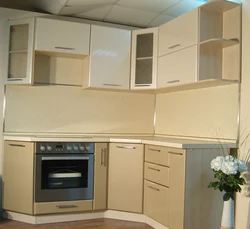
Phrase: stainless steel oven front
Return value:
(64, 171)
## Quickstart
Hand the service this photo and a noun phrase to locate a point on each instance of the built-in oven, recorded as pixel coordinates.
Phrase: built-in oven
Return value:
(64, 171)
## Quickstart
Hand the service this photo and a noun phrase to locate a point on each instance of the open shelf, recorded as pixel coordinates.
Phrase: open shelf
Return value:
(220, 42)
(220, 6)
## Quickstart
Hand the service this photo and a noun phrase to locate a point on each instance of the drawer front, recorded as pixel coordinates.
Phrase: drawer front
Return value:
(157, 154)
(156, 202)
(63, 207)
(156, 173)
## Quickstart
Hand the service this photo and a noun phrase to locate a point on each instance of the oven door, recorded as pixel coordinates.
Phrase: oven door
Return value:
(63, 177)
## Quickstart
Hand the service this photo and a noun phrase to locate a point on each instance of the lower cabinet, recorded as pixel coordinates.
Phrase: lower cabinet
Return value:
(125, 179)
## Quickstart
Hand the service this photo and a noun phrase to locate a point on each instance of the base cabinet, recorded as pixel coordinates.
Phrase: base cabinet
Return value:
(125, 179)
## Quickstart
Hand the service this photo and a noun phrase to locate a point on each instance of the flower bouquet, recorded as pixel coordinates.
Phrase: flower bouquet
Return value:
(227, 171)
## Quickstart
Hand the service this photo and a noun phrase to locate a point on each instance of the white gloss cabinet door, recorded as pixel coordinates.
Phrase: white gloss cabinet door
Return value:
(109, 57)
(178, 33)
(178, 68)
(62, 36)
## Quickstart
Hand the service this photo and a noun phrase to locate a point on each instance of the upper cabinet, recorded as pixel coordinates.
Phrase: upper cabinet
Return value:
(144, 58)
(220, 39)
(179, 33)
(62, 36)
(109, 60)
(19, 51)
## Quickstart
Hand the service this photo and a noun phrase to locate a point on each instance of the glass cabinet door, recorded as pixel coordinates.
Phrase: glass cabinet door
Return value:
(19, 53)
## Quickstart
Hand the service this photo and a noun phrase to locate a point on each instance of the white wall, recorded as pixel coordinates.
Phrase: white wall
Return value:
(243, 199)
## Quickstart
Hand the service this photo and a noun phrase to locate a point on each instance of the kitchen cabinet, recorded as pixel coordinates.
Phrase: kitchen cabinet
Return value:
(156, 183)
(100, 176)
(125, 179)
(19, 37)
(179, 33)
(109, 60)
(53, 35)
(144, 54)
(178, 68)
(18, 178)
(220, 41)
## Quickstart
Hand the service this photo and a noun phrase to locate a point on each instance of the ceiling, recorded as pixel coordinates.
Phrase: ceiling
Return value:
(139, 13)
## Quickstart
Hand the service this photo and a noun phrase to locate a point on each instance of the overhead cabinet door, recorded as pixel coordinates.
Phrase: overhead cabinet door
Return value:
(62, 36)
(179, 33)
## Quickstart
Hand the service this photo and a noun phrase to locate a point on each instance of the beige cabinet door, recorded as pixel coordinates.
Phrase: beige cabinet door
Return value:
(179, 33)
(18, 172)
(62, 36)
(125, 179)
(178, 68)
(176, 188)
(100, 177)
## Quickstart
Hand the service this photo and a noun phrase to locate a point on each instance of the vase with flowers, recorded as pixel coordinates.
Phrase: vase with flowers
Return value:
(227, 172)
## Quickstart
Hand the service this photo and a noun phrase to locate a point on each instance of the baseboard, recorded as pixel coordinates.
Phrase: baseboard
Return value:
(109, 214)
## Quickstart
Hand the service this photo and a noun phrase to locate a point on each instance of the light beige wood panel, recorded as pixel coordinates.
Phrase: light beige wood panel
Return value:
(71, 109)
(156, 202)
(157, 154)
(177, 188)
(100, 177)
(62, 207)
(125, 179)
(156, 173)
(210, 112)
(18, 176)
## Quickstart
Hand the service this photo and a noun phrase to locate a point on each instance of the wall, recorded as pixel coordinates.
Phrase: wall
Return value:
(72, 109)
(206, 113)
(243, 199)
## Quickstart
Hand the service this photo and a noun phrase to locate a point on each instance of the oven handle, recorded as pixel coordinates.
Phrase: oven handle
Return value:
(64, 158)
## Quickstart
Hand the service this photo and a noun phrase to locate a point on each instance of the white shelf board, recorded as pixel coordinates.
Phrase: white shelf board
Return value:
(219, 42)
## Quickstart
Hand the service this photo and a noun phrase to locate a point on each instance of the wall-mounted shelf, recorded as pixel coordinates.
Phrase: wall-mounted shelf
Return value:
(220, 42)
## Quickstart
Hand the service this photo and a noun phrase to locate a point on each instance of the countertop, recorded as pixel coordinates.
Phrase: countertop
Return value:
(152, 140)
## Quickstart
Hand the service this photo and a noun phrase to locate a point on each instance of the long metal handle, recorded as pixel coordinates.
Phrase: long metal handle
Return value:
(156, 189)
(10, 79)
(173, 81)
(175, 153)
(67, 206)
(102, 157)
(64, 158)
(17, 145)
(126, 147)
(143, 85)
(174, 46)
(66, 48)
(110, 84)
(158, 170)
(157, 150)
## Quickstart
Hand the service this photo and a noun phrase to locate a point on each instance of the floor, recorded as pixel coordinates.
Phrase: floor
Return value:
(86, 224)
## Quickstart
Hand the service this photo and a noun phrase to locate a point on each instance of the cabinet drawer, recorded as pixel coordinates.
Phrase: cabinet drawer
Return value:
(157, 154)
(61, 207)
(156, 173)
(156, 202)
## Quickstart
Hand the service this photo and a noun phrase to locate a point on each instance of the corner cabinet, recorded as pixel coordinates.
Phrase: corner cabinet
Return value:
(108, 65)
(19, 53)
(125, 179)
(144, 54)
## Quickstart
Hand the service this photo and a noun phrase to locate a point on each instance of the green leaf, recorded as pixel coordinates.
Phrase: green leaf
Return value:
(226, 196)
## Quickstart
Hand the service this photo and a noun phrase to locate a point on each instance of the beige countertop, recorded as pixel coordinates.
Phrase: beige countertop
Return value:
(152, 140)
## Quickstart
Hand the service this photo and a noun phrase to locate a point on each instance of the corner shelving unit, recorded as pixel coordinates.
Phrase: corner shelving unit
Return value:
(220, 41)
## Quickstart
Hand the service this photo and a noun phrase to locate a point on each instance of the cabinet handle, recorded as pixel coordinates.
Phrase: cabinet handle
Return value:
(173, 81)
(175, 153)
(110, 84)
(125, 147)
(104, 157)
(67, 206)
(9, 79)
(154, 169)
(17, 145)
(156, 150)
(66, 48)
(156, 189)
(174, 46)
(143, 85)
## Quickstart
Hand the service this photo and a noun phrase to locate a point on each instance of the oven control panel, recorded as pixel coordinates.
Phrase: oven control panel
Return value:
(65, 147)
